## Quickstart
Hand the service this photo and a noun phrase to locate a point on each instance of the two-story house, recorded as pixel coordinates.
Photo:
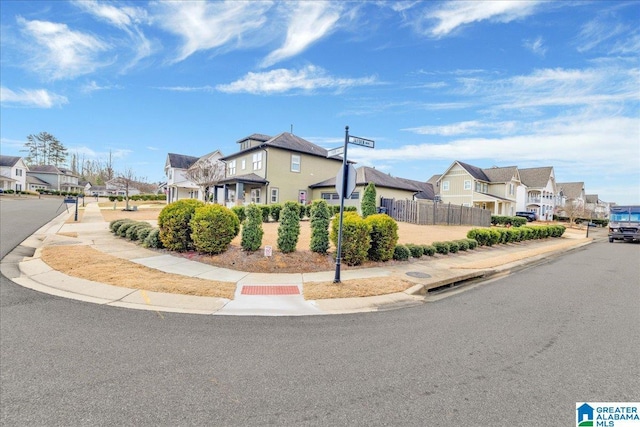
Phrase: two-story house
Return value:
(597, 208)
(178, 185)
(190, 177)
(492, 188)
(570, 194)
(58, 179)
(275, 169)
(538, 192)
(13, 173)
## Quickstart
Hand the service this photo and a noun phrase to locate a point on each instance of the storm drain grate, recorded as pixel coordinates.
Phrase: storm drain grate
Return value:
(270, 290)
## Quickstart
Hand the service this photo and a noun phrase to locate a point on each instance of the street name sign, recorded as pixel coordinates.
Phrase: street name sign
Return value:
(361, 141)
(335, 152)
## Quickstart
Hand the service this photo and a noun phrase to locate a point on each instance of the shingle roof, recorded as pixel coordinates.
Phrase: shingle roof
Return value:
(36, 180)
(365, 175)
(181, 161)
(474, 171)
(591, 198)
(501, 174)
(45, 169)
(536, 177)
(571, 190)
(286, 141)
(9, 161)
(250, 177)
(255, 137)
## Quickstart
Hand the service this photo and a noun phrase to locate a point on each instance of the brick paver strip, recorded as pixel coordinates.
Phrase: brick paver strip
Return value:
(270, 290)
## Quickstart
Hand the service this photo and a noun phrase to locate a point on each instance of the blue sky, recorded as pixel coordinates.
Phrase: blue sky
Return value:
(501, 83)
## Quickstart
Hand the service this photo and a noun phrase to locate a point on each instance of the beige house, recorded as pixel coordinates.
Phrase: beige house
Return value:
(387, 187)
(493, 188)
(571, 196)
(275, 169)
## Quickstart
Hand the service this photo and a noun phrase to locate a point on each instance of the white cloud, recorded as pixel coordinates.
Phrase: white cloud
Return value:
(282, 80)
(596, 32)
(92, 86)
(204, 26)
(61, 53)
(309, 21)
(206, 88)
(455, 14)
(38, 98)
(536, 46)
(462, 128)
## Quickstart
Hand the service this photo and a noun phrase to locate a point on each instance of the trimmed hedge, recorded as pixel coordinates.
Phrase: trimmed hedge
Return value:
(320, 219)
(252, 231)
(274, 211)
(384, 237)
(356, 238)
(442, 248)
(289, 229)
(416, 250)
(240, 213)
(429, 250)
(401, 253)
(515, 221)
(174, 223)
(213, 228)
(489, 236)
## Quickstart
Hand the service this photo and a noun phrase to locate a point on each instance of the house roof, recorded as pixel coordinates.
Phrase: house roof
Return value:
(286, 141)
(536, 177)
(365, 175)
(180, 161)
(571, 190)
(591, 198)
(474, 171)
(255, 137)
(501, 174)
(35, 180)
(45, 169)
(250, 178)
(9, 161)
(425, 189)
(434, 179)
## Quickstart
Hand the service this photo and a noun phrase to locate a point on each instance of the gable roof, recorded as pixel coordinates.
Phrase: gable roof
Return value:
(37, 181)
(180, 161)
(571, 190)
(501, 174)
(365, 175)
(9, 161)
(591, 198)
(45, 169)
(536, 177)
(286, 141)
(474, 171)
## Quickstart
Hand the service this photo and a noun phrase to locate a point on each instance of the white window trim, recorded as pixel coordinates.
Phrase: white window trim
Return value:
(294, 163)
(467, 184)
(276, 192)
(255, 195)
(445, 185)
(257, 161)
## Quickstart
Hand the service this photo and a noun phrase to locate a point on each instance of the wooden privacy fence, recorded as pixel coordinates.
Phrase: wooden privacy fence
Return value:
(426, 212)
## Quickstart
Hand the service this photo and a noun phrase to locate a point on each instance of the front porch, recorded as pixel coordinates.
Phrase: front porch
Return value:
(496, 205)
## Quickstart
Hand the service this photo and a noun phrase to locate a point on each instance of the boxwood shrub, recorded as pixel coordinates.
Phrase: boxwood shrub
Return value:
(429, 250)
(384, 237)
(441, 247)
(401, 253)
(174, 223)
(356, 238)
(416, 250)
(213, 228)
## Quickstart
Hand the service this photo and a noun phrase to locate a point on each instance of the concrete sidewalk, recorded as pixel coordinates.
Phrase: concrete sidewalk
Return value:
(256, 294)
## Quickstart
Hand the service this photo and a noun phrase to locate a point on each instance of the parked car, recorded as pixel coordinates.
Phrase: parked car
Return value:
(531, 216)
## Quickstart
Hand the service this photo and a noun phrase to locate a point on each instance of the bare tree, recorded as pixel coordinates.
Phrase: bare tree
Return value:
(124, 181)
(574, 209)
(206, 173)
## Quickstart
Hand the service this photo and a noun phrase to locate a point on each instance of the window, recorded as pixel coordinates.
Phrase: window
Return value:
(255, 195)
(295, 163)
(445, 185)
(329, 196)
(467, 185)
(257, 161)
(231, 167)
(355, 195)
(244, 145)
(243, 164)
(18, 172)
(511, 188)
(274, 195)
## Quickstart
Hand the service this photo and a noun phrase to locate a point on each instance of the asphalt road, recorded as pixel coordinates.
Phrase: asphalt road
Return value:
(519, 351)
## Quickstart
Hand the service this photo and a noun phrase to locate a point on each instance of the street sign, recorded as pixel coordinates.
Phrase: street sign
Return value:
(335, 152)
(351, 181)
(361, 141)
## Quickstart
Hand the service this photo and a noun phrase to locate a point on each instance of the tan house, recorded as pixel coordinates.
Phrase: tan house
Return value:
(571, 193)
(275, 169)
(387, 187)
(493, 188)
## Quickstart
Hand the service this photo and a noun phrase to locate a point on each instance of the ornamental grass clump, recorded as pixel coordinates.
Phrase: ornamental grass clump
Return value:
(252, 231)
(213, 228)
(174, 223)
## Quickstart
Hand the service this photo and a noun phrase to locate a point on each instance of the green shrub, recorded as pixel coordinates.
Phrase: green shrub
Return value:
(289, 229)
(143, 233)
(384, 237)
(454, 247)
(307, 210)
(416, 250)
(213, 228)
(274, 211)
(463, 245)
(356, 238)
(122, 230)
(494, 237)
(472, 243)
(441, 247)
(368, 204)
(265, 211)
(174, 220)
(153, 239)
(252, 231)
(115, 224)
(301, 211)
(240, 213)
(401, 253)
(132, 232)
(429, 250)
(320, 219)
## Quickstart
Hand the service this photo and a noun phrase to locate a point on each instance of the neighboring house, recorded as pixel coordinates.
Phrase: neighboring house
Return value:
(13, 173)
(35, 184)
(570, 193)
(387, 187)
(205, 173)
(494, 188)
(98, 190)
(538, 192)
(59, 179)
(118, 187)
(598, 208)
(178, 186)
(275, 169)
